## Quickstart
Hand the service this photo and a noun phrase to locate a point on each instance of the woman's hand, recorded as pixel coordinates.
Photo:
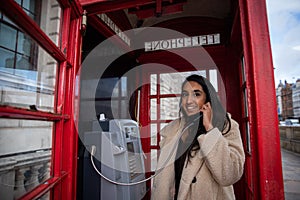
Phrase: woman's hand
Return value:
(207, 116)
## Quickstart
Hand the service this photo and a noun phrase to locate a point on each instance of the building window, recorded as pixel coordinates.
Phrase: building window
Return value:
(27, 72)
(17, 51)
(32, 8)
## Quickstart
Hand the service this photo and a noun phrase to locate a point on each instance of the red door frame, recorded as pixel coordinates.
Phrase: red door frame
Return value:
(64, 144)
(267, 173)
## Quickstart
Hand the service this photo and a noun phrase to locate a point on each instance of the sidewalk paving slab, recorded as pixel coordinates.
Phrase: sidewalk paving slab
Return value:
(291, 174)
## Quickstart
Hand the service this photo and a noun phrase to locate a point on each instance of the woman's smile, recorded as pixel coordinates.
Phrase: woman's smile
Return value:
(192, 108)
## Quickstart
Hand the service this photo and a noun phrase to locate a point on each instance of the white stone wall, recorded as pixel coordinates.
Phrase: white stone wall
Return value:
(18, 136)
(290, 138)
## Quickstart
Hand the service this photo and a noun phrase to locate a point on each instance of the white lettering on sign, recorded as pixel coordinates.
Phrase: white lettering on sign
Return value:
(194, 41)
(114, 27)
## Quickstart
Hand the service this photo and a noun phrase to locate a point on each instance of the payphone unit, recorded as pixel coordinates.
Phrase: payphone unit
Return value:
(120, 159)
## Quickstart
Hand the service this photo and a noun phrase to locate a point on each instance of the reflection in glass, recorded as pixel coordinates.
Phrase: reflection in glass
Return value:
(50, 19)
(169, 108)
(153, 109)
(111, 87)
(213, 78)
(109, 108)
(124, 86)
(153, 81)
(25, 155)
(153, 159)
(6, 58)
(8, 37)
(170, 83)
(110, 97)
(153, 134)
(25, 45)
(124, 109)
(22, 86)
(107, 87)
(27, 72)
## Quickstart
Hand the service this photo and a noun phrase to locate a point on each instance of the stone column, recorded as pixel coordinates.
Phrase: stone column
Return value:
(33, 180)
(19, 183)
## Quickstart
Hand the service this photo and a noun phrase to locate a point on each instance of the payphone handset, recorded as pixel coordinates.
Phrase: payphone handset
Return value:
(129, 130)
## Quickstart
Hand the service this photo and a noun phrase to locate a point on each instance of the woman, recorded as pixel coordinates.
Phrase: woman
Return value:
(202, 153)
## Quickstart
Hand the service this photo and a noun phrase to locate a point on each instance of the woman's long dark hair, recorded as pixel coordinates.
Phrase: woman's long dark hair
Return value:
(220, 117)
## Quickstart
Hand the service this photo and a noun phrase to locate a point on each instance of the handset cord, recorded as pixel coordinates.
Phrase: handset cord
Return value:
(93, 151)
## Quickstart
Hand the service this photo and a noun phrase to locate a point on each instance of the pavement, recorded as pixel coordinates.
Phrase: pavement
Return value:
(291, 174)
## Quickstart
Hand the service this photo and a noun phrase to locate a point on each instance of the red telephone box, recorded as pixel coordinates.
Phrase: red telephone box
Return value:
(232, 34)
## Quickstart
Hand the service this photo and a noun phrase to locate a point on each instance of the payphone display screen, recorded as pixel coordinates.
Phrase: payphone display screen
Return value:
(130, 147)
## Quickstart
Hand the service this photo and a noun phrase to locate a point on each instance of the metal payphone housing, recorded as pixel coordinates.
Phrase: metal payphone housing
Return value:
(121, 159)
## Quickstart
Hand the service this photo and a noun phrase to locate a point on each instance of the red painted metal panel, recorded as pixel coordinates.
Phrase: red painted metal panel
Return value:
(58, 138)
(145, 120)
(200, 26)
(109, 6)
(263, 115)
(70, 137)
(254, 172)
(22, 113)
(158, 7)
(64, 3)
(120, 19)
(151, 12)
(42, 189)
(145, 126)
(12, 10)
(57, 143)
(66, 133)
(88, 2)
(75, 6)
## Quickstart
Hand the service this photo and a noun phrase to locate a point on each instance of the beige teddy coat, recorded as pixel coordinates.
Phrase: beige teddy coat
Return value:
(210, 173)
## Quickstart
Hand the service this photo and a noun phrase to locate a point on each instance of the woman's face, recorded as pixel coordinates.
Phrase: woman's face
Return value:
(192, 97)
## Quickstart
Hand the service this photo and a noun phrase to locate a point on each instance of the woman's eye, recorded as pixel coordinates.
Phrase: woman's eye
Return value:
(197, 94)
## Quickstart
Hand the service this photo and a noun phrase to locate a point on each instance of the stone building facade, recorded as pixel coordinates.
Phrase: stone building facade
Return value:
(27, 81)
(288, 100)
(296, 99)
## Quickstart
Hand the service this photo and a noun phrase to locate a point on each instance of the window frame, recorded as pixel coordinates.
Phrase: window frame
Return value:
(62, 182)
